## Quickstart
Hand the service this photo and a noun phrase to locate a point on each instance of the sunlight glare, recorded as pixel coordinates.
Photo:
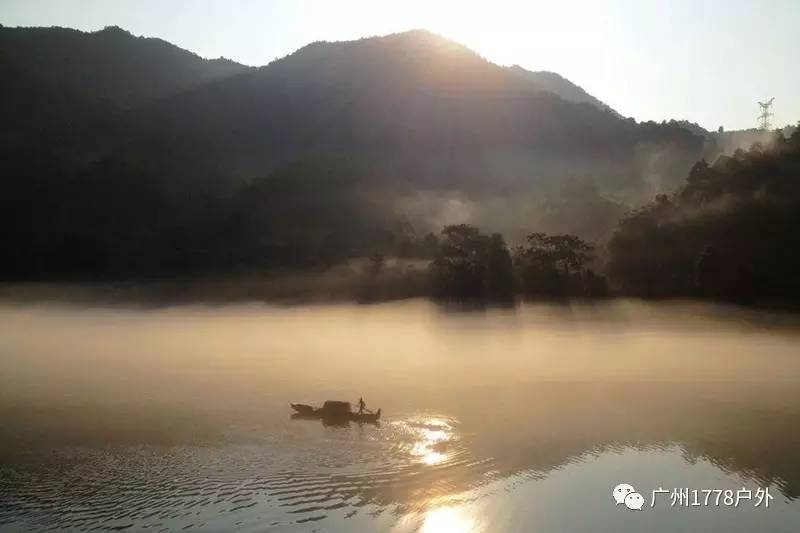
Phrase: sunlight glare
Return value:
(433, 439)
(448, 520)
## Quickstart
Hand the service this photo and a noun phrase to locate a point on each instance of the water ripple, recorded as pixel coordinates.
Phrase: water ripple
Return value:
(297, 479)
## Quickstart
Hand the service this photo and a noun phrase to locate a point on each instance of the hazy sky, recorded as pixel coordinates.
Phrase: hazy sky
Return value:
(701, 60)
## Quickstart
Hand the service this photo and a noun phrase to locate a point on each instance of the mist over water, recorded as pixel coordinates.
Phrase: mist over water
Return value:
(500, 419)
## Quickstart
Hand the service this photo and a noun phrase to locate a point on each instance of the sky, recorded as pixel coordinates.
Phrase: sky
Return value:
(706, 61)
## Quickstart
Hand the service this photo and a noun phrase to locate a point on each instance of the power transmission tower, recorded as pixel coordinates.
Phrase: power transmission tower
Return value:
(763, 119)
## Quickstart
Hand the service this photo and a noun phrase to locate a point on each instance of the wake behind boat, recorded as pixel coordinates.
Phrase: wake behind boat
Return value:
(335, 410)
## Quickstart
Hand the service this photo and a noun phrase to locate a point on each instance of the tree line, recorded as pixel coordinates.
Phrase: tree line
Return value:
(730, 232)
(470, 264)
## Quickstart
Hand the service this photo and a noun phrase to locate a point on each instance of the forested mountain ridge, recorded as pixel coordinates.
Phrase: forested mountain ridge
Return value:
(416, 103)
(111, 63)
(552, 82)
(335, 151)
(421, 107)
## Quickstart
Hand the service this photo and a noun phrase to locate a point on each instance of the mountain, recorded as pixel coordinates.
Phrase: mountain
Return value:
(111, 63)
(551, 82)
(127, 156)
(413, 105)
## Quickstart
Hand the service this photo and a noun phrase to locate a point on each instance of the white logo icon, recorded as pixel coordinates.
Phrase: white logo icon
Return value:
(622, 490)
(634, 501)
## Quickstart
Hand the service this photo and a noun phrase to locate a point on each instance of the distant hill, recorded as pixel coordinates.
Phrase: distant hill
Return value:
(729, 141)
(726, 142)
(560, 86)
(414, 105)
(111, 63)
(694, 127)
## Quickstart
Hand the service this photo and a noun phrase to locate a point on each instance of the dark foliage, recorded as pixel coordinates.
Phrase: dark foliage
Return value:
(475, 266)
(730, 232)
(111, 64)
(555, 266)
(471, 265)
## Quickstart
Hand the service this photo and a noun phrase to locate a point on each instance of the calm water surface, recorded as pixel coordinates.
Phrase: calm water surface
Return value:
(494, 420)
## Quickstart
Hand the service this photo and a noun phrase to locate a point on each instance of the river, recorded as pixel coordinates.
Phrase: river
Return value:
(176, 418)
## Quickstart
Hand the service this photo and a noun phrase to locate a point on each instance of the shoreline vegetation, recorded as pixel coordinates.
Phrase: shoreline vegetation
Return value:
(726, 235)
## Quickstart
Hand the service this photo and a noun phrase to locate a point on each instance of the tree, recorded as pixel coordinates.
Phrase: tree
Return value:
(552, 265)
(566, 253)
(460, 264)
(698, 172)
(500, 281)
(472, 265)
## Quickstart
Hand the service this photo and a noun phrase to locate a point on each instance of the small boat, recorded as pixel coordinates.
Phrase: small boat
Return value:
(334, 411)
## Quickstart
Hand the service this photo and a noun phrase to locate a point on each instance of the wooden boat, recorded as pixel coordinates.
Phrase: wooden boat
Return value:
(335, 411)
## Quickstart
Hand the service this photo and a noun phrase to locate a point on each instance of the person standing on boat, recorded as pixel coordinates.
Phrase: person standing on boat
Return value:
(361, 406)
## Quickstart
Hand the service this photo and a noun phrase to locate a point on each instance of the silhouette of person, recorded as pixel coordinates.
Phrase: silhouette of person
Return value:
(361, 406)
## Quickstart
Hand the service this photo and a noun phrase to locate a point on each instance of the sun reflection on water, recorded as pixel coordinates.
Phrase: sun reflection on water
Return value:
(449, 520)
(432, 440)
